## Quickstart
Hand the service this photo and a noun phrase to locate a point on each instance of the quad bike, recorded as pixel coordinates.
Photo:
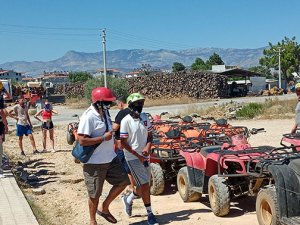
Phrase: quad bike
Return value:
(278, 199)
(72, 131)
(219, 171)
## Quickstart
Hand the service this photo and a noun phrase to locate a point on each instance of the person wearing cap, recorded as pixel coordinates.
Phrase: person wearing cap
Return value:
(47, 124)
(95, 127)
(136, 138)
(297, 110)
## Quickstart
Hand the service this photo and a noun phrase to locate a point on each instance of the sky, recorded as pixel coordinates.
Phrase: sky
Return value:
(43, 30)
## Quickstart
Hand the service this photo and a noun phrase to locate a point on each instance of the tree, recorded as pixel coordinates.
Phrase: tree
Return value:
(178, 67)
(79, 77)
(262, 70)
(214, 59)
(117, 85)
(290, 57)
(199, 65)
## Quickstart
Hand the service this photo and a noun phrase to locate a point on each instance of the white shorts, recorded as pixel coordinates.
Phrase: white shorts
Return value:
(140, 172)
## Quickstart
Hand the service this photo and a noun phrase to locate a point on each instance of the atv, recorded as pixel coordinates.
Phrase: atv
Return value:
(219, 170)
(72, 131)
(278, 200)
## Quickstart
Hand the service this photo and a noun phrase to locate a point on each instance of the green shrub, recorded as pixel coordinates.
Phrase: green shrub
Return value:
(117, 85)
(250, 110)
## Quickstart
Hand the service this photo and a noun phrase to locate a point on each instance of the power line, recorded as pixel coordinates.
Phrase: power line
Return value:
(48, 28)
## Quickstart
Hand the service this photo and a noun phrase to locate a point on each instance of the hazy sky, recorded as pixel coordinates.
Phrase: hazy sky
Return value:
(44, 30)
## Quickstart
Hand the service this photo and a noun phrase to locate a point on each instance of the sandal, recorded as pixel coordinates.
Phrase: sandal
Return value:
(35, 152)
(110, 218)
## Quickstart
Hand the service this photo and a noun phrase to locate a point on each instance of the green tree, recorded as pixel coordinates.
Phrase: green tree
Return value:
(290, 57)
(199, 65)
(261, 70)
(79, 77)
(117, 85)
(178, 67)
(214, 59)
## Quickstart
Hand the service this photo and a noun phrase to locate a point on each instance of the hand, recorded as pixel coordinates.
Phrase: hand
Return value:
(108, 135)
(145, 152)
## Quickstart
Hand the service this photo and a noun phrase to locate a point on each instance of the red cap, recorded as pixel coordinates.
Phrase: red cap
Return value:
(102, 94)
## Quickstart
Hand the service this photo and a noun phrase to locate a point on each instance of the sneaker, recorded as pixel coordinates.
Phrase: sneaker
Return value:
(2, 176)
(152, 219)
(127, 206)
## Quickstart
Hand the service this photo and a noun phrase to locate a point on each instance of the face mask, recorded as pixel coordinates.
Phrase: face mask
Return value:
(106, 105)
(47, 107)
(137, 107)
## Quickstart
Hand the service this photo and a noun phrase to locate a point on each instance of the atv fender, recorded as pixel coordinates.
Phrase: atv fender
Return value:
(194, 160)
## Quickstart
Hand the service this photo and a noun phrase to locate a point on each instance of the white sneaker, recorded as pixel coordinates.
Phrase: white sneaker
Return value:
(2, 176)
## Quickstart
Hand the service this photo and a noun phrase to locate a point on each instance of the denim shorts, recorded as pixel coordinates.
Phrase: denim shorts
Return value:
(23, 130)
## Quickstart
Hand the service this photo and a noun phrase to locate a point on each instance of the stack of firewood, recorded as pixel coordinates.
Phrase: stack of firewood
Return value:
(193, 84)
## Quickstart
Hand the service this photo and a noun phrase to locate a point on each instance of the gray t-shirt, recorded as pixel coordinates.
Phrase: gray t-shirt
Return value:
(21, 113)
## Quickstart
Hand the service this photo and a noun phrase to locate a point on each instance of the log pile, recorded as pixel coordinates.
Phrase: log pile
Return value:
(272, 91)
(75, 90)
(193, 84)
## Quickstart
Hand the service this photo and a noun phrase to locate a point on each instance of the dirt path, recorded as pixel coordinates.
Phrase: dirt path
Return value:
(65, 201)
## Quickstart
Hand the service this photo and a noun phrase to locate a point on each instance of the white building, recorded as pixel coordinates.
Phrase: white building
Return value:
(10, 74)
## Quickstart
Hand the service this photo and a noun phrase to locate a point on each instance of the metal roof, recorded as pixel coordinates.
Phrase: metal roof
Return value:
(237, 72)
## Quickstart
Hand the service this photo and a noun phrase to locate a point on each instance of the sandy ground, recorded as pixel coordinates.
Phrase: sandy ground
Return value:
(66, 203)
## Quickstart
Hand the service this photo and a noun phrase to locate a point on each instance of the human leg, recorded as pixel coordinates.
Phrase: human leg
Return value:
(44, 131)
(51, 131)
(21, 145)
(32, 143)
(1, 153)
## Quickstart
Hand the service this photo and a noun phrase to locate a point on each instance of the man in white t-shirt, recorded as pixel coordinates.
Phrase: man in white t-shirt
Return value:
(297, 110)
(136, 137)
(95, 127)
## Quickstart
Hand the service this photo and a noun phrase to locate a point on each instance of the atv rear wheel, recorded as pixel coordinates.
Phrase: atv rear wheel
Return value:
(266, 207)
(219, 195)
(184, 187)
(157, 184)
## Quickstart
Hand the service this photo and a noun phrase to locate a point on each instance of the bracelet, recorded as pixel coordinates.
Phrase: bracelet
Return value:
(103, 137)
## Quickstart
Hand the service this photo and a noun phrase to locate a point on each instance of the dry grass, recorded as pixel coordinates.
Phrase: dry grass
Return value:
(77, 103)
(271, 109)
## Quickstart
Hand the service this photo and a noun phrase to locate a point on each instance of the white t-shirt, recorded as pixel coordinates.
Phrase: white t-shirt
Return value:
(136, 132)
(92, 125)
(21, 114)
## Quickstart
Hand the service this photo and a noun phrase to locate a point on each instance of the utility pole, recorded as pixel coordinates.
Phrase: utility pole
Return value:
(279, 64)
(104, 55)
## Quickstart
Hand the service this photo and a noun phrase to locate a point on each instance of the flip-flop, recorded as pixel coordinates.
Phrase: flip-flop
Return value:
(110, 218)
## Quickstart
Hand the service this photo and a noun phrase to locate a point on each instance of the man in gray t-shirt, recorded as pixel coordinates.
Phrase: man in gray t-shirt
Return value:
(24, 126)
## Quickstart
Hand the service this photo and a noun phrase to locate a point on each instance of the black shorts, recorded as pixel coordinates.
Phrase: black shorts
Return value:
(2, 129)
(96, 174)
(47, 125)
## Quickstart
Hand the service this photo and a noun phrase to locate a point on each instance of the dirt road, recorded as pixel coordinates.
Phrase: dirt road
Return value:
(65, 201)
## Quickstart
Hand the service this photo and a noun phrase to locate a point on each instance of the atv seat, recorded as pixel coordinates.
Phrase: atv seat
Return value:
(210, 149)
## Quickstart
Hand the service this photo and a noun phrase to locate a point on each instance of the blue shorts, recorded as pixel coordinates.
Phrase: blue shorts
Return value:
(23, 130)
(121, 158)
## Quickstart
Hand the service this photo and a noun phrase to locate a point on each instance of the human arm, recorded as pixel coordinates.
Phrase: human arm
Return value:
(115, 127)
(126, 146)
(11, 115)
(85, 140)
(294, 129)
(36, 116)
(53, 111)
(146, 151)
(28, 118)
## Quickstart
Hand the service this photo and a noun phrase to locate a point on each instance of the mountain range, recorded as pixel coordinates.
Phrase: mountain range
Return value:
(126, 60)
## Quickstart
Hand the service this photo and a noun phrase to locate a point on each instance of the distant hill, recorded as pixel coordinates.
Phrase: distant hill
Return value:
(126, 60)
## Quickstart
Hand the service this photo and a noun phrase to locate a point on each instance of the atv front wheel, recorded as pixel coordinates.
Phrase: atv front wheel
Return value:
(157, 184)
(184, 188)
(219, 195)
(266, 207)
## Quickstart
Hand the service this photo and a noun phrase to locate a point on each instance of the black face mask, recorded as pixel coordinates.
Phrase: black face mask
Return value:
(137, 107)
(102, 105)
(106, 105)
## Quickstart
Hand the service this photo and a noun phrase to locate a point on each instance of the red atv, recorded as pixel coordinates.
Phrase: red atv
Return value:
(219, 171)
